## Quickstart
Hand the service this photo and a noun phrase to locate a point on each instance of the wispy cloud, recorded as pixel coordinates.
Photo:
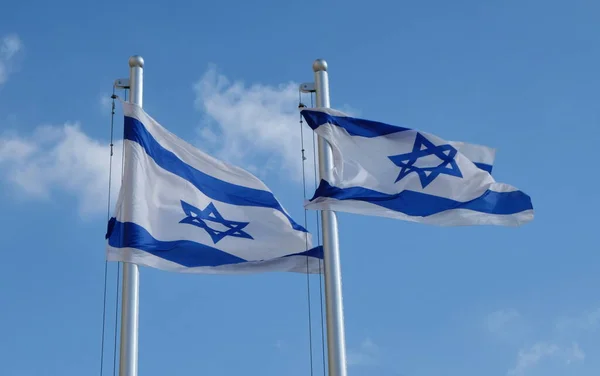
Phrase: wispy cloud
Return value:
(60, 158)
(53, 157)
(560, 347)
(10, 46)
(254, 125)
(574, 354)
(367, 354)
(532, 356)
(528, 358)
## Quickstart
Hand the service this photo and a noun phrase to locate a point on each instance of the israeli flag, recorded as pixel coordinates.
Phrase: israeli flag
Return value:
(181, 210)
(389, 171)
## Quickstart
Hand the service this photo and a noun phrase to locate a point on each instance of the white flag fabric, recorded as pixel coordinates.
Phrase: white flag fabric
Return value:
(390, 171)
(481, 156)
(182, 210)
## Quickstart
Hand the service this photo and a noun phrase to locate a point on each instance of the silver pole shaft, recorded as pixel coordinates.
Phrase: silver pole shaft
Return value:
(128, 364)
(336, 342)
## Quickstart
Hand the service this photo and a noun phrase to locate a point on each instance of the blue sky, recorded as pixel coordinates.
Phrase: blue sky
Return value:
(419, 300)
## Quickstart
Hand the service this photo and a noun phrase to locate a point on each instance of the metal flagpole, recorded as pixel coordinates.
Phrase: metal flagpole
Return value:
(128, 355)
(336, 343)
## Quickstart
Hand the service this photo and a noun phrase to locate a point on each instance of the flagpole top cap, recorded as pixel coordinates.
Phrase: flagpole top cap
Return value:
(136, 61)
(320, 65)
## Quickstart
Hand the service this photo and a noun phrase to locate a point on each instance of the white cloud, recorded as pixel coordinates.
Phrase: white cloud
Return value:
(254, 122)
(13, 149)
(528, 358)
(366, 355)
(574, 353)
(55, 157)
(560, 347)
(10, 46)
(61, 157)
(531, 357)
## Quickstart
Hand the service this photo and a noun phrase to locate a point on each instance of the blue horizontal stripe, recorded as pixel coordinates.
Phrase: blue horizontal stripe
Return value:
(316, 252)
(419, 204)
(209, 185)
(354, 126)
(183, 252)
(484, 166)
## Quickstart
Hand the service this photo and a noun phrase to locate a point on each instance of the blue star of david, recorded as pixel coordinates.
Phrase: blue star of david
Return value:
(424, 148)
(200, 218)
